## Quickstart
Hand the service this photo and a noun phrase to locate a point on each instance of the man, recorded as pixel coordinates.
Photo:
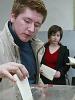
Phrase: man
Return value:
(17, 40)
(6, 70)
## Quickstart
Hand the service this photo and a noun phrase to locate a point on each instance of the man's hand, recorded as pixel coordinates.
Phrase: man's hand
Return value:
(11, 68)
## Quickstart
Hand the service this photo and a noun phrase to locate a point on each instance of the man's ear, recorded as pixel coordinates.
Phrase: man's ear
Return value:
(12, 17)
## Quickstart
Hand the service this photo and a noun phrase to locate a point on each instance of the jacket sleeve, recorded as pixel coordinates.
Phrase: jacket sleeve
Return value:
(1, 52)
(62, 67)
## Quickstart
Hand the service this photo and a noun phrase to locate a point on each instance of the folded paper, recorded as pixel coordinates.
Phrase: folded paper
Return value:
(24, 88)
(72, 60)
(47, 72)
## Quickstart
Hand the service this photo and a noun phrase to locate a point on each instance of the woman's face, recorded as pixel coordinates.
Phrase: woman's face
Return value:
(55, 38)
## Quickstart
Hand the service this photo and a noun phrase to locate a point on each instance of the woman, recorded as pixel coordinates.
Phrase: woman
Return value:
(55, 56)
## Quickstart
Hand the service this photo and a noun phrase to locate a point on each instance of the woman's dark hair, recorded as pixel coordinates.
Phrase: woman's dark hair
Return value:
(54, 29)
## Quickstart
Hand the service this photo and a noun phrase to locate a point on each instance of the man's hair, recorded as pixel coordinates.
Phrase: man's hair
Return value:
(38, 5)
(54, 29)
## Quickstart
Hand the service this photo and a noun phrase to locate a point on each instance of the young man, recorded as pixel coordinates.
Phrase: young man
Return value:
(17, 40)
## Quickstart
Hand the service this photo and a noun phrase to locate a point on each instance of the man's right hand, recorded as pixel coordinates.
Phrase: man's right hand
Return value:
(11, 68)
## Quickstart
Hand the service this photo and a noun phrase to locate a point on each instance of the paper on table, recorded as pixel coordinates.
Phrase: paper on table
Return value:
(72, 60)
(24, 88)
(47, 72)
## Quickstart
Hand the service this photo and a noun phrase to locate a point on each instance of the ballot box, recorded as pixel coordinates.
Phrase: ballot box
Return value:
(9, 90)
(50, 92)
(55, 92)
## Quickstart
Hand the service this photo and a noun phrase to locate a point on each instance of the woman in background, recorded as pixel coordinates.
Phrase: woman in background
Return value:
(55, 56)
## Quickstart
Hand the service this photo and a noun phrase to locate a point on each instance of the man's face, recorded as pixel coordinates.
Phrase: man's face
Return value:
(26, 24)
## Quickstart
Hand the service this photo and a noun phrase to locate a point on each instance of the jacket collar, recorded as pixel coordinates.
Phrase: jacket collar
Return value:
(6, 29)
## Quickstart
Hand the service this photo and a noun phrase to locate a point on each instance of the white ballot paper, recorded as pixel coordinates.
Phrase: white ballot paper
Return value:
(72, 60)
(47, 72)
(24, 88)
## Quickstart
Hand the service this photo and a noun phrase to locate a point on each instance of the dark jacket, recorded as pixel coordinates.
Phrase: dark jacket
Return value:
(61, 66)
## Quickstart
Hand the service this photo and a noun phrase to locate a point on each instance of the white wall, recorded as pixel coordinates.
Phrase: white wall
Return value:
(59, 12)
(5, 7)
